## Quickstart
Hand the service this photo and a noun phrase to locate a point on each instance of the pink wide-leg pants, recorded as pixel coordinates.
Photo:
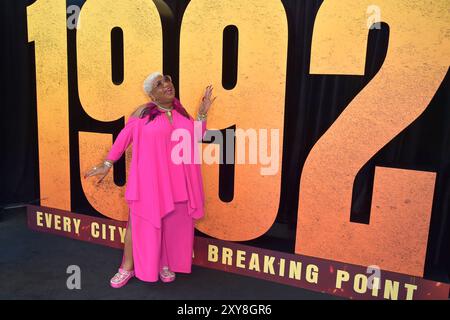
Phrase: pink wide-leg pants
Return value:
(171, 245)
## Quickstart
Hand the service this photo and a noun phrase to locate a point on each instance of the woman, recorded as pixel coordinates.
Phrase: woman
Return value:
(164, 196)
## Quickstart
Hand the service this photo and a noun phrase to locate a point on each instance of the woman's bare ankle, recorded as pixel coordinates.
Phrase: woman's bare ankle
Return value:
(128, 267)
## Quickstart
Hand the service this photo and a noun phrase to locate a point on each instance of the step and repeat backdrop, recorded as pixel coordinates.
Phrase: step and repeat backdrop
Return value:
(327, 156)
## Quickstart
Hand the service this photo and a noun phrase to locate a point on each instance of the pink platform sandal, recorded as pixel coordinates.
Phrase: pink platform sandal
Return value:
(166, 275)
(121, 278)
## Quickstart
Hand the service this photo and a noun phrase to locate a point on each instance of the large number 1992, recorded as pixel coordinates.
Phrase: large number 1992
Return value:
(397, 95)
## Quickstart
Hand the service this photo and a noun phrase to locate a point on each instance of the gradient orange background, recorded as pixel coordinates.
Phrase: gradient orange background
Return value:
(415, 65)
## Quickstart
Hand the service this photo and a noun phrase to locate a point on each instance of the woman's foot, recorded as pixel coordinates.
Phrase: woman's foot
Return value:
(166, 275)
(121, 278)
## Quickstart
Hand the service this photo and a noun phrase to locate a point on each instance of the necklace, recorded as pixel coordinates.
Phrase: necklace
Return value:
(167, 111)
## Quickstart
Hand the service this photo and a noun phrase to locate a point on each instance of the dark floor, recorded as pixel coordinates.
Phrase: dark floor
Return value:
(33, 266)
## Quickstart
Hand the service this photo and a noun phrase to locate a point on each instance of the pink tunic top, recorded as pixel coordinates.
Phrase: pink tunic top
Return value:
(155, 182)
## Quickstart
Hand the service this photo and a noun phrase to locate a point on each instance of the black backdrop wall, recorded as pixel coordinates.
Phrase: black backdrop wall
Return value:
(313, 102)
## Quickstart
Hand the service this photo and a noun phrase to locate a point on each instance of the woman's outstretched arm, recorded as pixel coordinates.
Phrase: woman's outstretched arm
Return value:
(119, 146)
(124, 139)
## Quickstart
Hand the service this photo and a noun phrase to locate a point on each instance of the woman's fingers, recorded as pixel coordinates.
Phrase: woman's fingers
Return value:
(101, 179)
(95, 171)
(208, 92)
(207, 98)
(88, 174)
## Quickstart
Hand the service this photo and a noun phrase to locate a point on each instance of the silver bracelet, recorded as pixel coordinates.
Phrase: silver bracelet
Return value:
(108, 163)
(201, 116)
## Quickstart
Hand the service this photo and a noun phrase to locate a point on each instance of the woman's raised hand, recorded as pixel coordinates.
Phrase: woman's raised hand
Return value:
(99, 170)
(206, 100)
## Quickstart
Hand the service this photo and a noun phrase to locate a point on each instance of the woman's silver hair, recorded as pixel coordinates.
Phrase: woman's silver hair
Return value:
(148, 82)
